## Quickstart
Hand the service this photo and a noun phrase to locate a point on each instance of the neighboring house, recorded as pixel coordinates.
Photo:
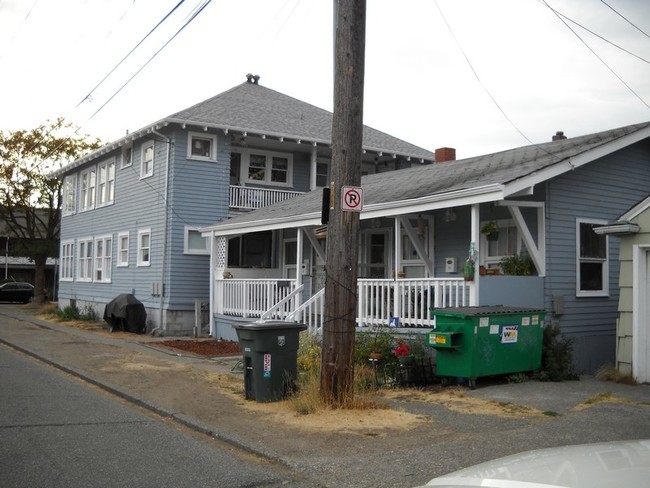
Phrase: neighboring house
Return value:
(132, 209)
(420, 225)
(633, 325)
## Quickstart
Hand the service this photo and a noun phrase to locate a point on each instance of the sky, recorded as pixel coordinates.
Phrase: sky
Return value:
(480, 76)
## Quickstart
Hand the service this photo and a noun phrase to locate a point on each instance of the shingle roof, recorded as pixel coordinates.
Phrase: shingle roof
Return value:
(253, 108)
(502, 168)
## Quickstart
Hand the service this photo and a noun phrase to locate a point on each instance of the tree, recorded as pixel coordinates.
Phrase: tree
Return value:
(337, 365)
(31, 195)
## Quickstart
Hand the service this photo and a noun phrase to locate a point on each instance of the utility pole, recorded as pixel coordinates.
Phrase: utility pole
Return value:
(337, 359)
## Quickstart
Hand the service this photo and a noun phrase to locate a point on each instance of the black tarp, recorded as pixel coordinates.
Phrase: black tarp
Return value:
(125, 312)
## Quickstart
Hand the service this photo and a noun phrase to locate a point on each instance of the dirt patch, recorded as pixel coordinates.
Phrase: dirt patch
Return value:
(202, 347)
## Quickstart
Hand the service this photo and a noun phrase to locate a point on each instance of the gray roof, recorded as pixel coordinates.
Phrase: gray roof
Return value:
(504, 170)
(255, 109)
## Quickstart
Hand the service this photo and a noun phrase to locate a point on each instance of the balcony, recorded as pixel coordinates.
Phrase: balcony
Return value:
(249, 198)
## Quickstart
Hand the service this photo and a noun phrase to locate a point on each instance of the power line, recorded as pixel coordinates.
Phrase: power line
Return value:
(130, 52)
(625, 18)
(196, 14)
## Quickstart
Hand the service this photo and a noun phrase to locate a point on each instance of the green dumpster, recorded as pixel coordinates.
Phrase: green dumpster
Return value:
(270, 355)
(472, 342)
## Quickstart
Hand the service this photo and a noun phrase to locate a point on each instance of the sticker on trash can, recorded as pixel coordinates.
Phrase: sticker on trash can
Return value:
(281, 341)
(509, 334)
(484, 321)
(267, 365)
(535, 319)
(525, 321)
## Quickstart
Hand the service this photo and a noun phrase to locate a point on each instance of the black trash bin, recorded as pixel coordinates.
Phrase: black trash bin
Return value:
(270, 351)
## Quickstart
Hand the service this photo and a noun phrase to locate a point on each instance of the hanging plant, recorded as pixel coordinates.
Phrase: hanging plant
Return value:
(490, 230)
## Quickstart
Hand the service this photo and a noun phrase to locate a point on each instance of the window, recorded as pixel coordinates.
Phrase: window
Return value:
(106, 183)
(267, 168)
(202, 146)
(195, 243)
(144, 247)
(592, 267)
(103, 259)
(67, 260)
(127, 156)
(146, 167)
(69, 195)
(505, 242)
(322, 175)
(85, 265)
(123, 249)
(251, 250)
(88, 189)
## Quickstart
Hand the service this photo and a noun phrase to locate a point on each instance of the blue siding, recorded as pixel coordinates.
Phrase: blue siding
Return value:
(603, 189)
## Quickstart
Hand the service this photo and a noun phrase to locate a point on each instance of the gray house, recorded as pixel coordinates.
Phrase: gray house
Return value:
(421, 225)
(133, 208)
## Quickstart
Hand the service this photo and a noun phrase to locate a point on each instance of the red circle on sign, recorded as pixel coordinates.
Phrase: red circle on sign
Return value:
(352, 198)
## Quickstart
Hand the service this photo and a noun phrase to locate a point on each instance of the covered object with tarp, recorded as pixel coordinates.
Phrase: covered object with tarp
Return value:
(125, 312)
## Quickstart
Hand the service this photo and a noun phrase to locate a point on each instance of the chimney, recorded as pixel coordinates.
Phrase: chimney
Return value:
(445, 154)
(559, 135)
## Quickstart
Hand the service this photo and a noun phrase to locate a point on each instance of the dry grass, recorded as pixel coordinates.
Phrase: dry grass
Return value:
(610, 373)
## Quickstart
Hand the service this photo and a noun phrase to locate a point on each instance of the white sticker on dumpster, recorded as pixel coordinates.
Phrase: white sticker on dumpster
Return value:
(484, 321)
(525, 321)
(509, 334)
(267, 365)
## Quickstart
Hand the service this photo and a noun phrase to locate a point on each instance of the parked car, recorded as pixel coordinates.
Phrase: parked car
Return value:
(16, 291)
(604, 465)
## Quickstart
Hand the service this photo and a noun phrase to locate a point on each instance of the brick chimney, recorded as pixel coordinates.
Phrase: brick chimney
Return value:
(445, 154)
(559, 135)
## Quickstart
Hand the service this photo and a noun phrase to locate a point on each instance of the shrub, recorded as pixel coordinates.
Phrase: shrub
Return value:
(71, 312)
(557, 356)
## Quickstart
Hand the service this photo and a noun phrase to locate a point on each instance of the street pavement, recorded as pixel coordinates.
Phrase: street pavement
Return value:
(185, 388)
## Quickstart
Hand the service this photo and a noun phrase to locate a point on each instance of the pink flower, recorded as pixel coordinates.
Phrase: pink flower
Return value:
(402, 349)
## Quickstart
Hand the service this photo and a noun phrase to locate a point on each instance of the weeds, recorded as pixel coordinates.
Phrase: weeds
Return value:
(610, 373)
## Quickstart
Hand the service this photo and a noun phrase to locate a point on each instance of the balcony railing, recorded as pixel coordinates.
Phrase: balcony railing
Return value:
(248, 198)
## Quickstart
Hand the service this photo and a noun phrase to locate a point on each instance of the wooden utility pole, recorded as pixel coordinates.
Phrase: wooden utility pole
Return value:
(337, 359)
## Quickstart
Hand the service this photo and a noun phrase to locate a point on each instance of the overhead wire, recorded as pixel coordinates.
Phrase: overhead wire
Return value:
(89, 95)
(625, 18)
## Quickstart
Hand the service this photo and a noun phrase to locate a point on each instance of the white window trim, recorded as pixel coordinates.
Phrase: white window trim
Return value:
(202, 135)
(109, 196)
(495, 261)
(143, 150)
(245, 159)
(124, 161)
(70, 192)
(186, 243)
(120, 263)
(103, 263)
(592, 293)
(90, 194)
(140, 262)
(82, 261)
(67, 261)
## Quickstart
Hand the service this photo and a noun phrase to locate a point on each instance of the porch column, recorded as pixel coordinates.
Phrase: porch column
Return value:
(312, 171)
(474, 244)
(220, 253)
(397, 267)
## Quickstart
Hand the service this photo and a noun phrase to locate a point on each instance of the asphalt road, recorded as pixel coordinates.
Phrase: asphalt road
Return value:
(56, 431)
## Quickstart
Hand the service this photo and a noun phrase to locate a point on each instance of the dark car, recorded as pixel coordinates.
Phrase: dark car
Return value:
(16, 291)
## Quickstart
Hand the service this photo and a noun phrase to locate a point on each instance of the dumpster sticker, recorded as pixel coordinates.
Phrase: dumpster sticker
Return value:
(438, 339)
(281, 341)
(267, 365)
(494, 328)
(484, 321)
(535, 319)
(509, 334)
(525, 321)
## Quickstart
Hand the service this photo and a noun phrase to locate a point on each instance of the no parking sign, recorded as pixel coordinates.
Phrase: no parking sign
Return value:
(352, 199)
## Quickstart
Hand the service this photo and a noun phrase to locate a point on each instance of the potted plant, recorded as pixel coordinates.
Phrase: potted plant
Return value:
(517, 265)
(490, 230)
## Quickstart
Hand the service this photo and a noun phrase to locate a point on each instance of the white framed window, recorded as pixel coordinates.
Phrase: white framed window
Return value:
(202, 146)
(103, 259)
(269, 168)
(87, 193)
(67, 261)
(70, 194)
(322, 174)
(122, 249)
(505, 242)
(144, 247)
(592, 260)
(106, 183)
(195, 243)
(127, 156)
(85, 260)
(146, 165)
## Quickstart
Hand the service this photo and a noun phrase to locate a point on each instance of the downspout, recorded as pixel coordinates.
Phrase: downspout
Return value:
(165, 231)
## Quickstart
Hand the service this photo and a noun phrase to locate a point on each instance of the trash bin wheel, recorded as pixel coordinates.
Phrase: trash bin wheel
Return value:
(472, 383)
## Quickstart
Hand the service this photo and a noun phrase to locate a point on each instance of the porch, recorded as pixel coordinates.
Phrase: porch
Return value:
(250, 198)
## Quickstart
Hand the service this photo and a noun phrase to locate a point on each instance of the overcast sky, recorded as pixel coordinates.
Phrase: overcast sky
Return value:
(527, 72)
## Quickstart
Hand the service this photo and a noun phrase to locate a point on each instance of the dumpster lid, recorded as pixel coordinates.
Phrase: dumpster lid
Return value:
(484, 310)
(272, 324)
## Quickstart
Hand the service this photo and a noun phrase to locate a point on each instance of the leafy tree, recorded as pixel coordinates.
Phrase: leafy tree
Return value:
(31, 194)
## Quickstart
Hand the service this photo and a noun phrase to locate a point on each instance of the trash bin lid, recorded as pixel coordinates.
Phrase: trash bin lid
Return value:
(484, 310)
(272, 325)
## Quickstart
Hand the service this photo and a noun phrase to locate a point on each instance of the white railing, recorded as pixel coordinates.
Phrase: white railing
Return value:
(251, 298)
(249, 198)
(310, 313)
(284, 307)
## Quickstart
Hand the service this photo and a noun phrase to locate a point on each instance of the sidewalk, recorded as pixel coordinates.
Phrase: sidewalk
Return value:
(445, 429)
